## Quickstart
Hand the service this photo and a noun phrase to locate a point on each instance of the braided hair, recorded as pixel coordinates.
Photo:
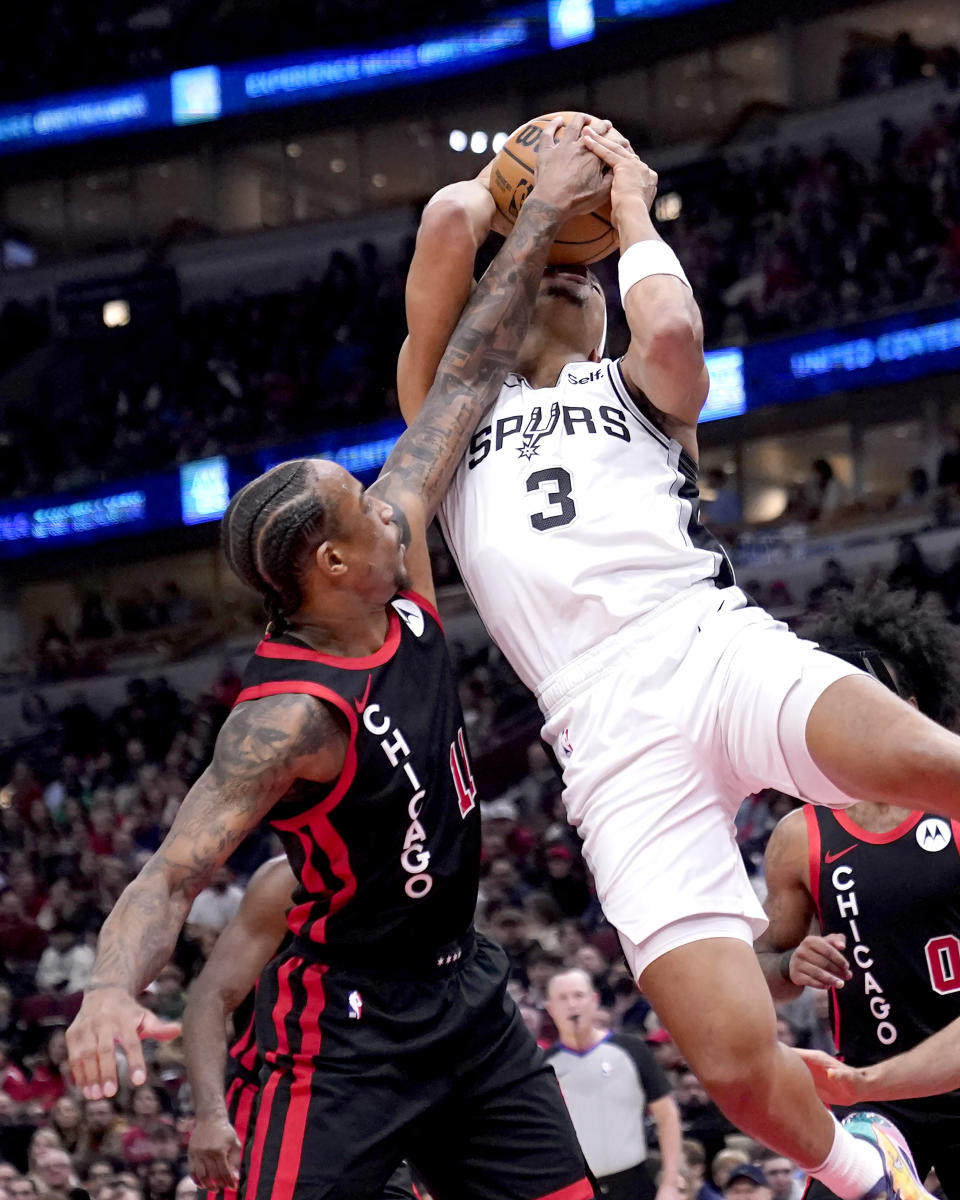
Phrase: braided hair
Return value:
(269, 531)
(922, 645)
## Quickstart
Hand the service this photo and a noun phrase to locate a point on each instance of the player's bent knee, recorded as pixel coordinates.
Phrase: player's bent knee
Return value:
(735, 1074)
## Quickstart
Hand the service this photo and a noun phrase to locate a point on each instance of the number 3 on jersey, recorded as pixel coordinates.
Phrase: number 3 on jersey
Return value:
(556, 488)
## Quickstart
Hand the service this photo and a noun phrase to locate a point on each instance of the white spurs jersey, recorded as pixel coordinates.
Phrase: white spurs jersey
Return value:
(571, 515)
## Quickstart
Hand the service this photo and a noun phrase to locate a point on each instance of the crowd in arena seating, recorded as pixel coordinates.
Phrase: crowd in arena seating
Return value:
(795, 240)
(221, 375)
(875, 64)
(801, 239)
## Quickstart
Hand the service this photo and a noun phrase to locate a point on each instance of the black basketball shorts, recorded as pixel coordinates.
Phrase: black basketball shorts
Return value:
(437, 1067)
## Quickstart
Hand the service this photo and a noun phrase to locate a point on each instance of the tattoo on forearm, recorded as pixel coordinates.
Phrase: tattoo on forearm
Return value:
(259, 752)
(482, 350)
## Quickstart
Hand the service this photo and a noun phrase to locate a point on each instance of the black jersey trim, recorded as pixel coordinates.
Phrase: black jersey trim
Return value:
(698, 535)
(619, 385)
(688, 464)
(272, 648)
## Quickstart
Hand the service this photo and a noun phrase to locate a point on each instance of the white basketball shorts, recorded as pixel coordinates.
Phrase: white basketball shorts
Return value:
(662, 730)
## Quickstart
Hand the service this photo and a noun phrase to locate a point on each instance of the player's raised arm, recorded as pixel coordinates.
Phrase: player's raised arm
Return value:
(488, 335)
(665, 356)
(929, 1069)
(790, 957)
(453, 227)
(243, 949)
(262, 748)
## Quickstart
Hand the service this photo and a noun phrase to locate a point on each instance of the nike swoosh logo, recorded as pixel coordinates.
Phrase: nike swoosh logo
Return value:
(832, 858)
(361, 704)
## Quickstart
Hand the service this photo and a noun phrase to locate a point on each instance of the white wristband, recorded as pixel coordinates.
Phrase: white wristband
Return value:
(643, 259)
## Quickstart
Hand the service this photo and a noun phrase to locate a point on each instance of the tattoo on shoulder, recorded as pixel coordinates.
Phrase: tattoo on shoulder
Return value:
(262, 741)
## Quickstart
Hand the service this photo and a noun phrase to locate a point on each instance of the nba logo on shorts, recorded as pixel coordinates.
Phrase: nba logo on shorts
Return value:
(355, 1005)
(566, 746)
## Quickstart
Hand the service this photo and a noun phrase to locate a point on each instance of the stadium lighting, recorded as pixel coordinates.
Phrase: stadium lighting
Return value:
(668, 207)
(499, 141)
(458, 140)
(479, 142)
(116, 313)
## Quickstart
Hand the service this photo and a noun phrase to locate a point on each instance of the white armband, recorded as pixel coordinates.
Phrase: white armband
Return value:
(644, 259)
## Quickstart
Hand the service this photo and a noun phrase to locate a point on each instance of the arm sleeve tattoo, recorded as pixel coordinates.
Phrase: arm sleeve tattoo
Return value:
(482, 350)
(262, 749)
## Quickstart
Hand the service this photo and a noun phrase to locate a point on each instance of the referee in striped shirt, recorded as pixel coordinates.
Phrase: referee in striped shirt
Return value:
(610, 1081)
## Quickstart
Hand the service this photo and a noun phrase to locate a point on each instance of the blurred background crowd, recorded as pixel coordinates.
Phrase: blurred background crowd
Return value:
(809, 159)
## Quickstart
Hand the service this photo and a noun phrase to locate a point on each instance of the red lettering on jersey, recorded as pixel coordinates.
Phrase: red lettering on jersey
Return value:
(462, 775)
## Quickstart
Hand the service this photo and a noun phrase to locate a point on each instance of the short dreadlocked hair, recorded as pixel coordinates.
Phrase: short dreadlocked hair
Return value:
(269, 531)
(915, 636)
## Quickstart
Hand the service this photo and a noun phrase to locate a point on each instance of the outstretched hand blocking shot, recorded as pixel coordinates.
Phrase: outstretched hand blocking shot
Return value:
(328, 557)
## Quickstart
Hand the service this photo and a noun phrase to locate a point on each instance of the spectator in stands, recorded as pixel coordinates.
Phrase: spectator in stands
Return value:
(216, 905)
(568, 889)
(137, 1140)
(54, 1174)
(907, 61)
(917, 490)
(825, 493)
(66, 963)
(746, 1182)
(49, 1074)
(781, 1175)
(94, 622)
(103, 1130)
(22, 941)
(100, 1171)
(510, 930)
(911, 571)
(66, 1117)
(700, 1117)
(160, 1180)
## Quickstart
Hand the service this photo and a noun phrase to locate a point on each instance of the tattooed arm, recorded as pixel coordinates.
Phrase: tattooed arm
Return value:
(244, 948)
(486, 340)
(264, 746)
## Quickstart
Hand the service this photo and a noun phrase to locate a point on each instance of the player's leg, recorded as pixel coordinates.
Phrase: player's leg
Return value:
(713, 998)
(874, 746)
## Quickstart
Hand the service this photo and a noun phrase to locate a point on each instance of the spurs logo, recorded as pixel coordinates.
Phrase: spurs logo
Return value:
(533, 433)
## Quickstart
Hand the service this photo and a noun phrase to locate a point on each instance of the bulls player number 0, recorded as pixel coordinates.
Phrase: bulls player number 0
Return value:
(556, 487)
(943, 962)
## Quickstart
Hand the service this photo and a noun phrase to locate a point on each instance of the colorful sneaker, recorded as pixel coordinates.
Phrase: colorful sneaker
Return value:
(900, 1179)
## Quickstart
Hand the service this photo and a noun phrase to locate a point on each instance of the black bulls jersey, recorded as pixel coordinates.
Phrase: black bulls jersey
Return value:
(896, 898)
(387, 856)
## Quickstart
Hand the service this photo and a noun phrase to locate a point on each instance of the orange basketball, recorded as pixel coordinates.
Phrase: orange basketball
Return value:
(583, 239)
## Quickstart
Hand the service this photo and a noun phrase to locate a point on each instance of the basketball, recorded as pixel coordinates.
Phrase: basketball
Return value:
(584, 239)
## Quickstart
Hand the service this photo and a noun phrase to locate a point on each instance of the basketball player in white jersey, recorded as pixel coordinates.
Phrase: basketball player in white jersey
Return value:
(666, 696)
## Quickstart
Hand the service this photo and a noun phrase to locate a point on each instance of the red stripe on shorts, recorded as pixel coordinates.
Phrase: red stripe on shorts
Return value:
(298, 1110)
(581, 1190)
(260, 1134)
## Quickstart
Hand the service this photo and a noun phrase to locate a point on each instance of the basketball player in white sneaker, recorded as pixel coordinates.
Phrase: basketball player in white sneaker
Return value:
(666, 696)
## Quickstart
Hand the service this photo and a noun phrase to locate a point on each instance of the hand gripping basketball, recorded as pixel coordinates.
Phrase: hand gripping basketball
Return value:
(568, 173)
(632, 178)
(583, 239)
